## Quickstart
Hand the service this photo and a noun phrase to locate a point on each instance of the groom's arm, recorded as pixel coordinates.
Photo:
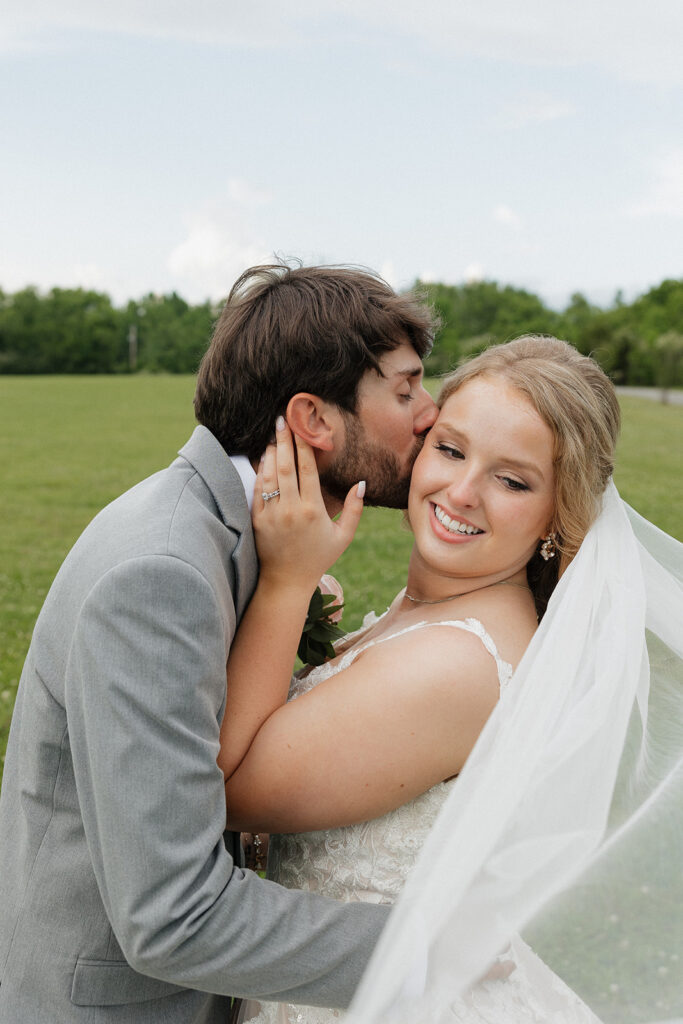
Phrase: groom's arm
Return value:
(144, 694)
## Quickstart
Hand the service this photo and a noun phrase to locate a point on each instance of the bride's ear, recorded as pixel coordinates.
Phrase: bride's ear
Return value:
(313, 419)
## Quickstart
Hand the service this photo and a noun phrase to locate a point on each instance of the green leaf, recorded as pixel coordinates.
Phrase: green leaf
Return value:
(320, 632)
(315, 645)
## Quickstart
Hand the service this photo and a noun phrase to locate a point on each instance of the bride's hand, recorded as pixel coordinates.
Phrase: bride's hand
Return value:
(295, 537)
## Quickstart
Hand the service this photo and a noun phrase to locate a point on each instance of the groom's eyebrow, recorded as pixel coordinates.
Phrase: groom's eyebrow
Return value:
(409, 371)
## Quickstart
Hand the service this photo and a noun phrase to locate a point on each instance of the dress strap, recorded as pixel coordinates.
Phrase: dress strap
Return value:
(468, 625)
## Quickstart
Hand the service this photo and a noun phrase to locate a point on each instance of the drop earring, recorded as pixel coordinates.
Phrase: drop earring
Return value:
(548, 547)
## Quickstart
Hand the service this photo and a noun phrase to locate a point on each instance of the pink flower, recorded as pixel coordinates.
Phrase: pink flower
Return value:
(329, 585)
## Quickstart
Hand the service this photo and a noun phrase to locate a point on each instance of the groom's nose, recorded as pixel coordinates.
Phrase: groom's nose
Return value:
(425, 412)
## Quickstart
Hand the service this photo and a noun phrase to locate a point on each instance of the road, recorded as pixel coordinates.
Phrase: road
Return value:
(654, 394)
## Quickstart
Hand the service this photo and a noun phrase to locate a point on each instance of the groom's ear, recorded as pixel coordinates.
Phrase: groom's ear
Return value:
(313, 419)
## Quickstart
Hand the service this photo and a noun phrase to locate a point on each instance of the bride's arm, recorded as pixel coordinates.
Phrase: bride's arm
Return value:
(401, 718)
(296, 542)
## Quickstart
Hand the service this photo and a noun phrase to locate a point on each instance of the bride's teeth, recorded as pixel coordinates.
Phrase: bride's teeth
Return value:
(453, 525)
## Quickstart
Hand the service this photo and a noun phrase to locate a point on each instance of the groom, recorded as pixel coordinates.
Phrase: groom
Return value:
(120, 899)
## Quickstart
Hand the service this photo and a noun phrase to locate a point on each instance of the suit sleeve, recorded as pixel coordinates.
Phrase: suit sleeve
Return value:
(144, 696)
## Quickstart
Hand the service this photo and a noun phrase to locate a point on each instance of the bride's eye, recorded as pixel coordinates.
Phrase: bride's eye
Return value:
(514, 485)
(449, 450)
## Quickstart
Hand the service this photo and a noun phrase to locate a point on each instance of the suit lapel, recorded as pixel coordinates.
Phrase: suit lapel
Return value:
(208, 458)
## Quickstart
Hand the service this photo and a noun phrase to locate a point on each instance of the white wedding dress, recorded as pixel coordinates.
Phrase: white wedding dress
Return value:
(371, 862)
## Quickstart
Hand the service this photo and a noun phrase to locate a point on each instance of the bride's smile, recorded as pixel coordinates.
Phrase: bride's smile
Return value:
(455, 526)
(481, 495)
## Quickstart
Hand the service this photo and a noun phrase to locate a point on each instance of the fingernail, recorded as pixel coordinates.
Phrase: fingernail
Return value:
(263, 458)
(280, 423)
(360, 490)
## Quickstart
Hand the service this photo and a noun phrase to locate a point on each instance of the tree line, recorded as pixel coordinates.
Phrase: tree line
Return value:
(81, 331)
(637, 343)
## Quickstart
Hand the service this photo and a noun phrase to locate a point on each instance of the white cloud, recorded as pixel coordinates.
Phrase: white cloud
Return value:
(220, 243)
(245, 194)
(536, 109)
(474, 272)
(388, 272)
(89, 276)
(628, 38)
(41, 22)
(624, 37)
(15, 275)
(218, 246)
(504, 215)
(665, 195)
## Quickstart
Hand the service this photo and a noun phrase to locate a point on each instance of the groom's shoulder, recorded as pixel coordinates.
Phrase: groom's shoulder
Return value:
(188, 517)
(196, 498)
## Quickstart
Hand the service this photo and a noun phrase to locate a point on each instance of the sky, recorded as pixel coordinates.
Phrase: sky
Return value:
(160, 145)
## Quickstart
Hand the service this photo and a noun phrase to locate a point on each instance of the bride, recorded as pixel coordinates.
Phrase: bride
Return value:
(434, 713)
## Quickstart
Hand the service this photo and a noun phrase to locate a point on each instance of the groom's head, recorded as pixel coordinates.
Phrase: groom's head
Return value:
(337, 352)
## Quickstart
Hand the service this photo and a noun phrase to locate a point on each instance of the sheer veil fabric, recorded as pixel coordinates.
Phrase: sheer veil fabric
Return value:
(566, 822)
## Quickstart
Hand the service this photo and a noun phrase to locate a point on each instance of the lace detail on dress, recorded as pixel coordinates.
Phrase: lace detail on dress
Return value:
(303, 684)
(371, 862)
(468, 625)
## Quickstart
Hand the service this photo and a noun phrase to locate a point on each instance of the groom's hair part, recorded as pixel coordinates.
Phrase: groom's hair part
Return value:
(286, 329)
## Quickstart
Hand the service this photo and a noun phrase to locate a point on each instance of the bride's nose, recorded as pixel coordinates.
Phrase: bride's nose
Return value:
(463, 491)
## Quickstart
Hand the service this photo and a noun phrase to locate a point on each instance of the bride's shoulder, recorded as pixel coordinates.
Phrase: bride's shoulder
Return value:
(434, 656)
(509, 618)
(471, 631)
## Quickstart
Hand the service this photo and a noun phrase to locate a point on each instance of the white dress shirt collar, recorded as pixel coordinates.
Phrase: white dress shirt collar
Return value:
(246, 475)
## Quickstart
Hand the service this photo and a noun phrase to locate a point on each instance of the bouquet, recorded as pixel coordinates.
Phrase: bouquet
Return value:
(321, 628)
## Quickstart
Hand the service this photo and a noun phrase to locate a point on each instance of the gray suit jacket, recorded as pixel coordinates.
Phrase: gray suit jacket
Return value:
(119, 897)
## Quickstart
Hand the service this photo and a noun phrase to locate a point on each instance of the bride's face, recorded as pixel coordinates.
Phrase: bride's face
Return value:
(482, 490)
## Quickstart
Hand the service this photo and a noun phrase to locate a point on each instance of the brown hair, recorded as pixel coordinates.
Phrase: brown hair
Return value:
(577, 400)
(287, 329)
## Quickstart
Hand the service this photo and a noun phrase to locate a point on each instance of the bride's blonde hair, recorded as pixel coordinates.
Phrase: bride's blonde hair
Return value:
(577, 400)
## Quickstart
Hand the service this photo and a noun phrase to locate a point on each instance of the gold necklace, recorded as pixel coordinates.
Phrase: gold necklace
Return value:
(440, 600)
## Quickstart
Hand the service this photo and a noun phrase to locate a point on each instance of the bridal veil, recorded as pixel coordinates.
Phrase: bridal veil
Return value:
(566, 824)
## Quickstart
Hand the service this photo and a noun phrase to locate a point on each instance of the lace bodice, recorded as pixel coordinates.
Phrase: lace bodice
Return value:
(371, 862)
(330, 668)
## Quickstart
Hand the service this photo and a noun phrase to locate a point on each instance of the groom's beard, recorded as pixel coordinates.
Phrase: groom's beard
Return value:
(387, 482)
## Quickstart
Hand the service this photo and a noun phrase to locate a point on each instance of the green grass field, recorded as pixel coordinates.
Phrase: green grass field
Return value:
(69, 445)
